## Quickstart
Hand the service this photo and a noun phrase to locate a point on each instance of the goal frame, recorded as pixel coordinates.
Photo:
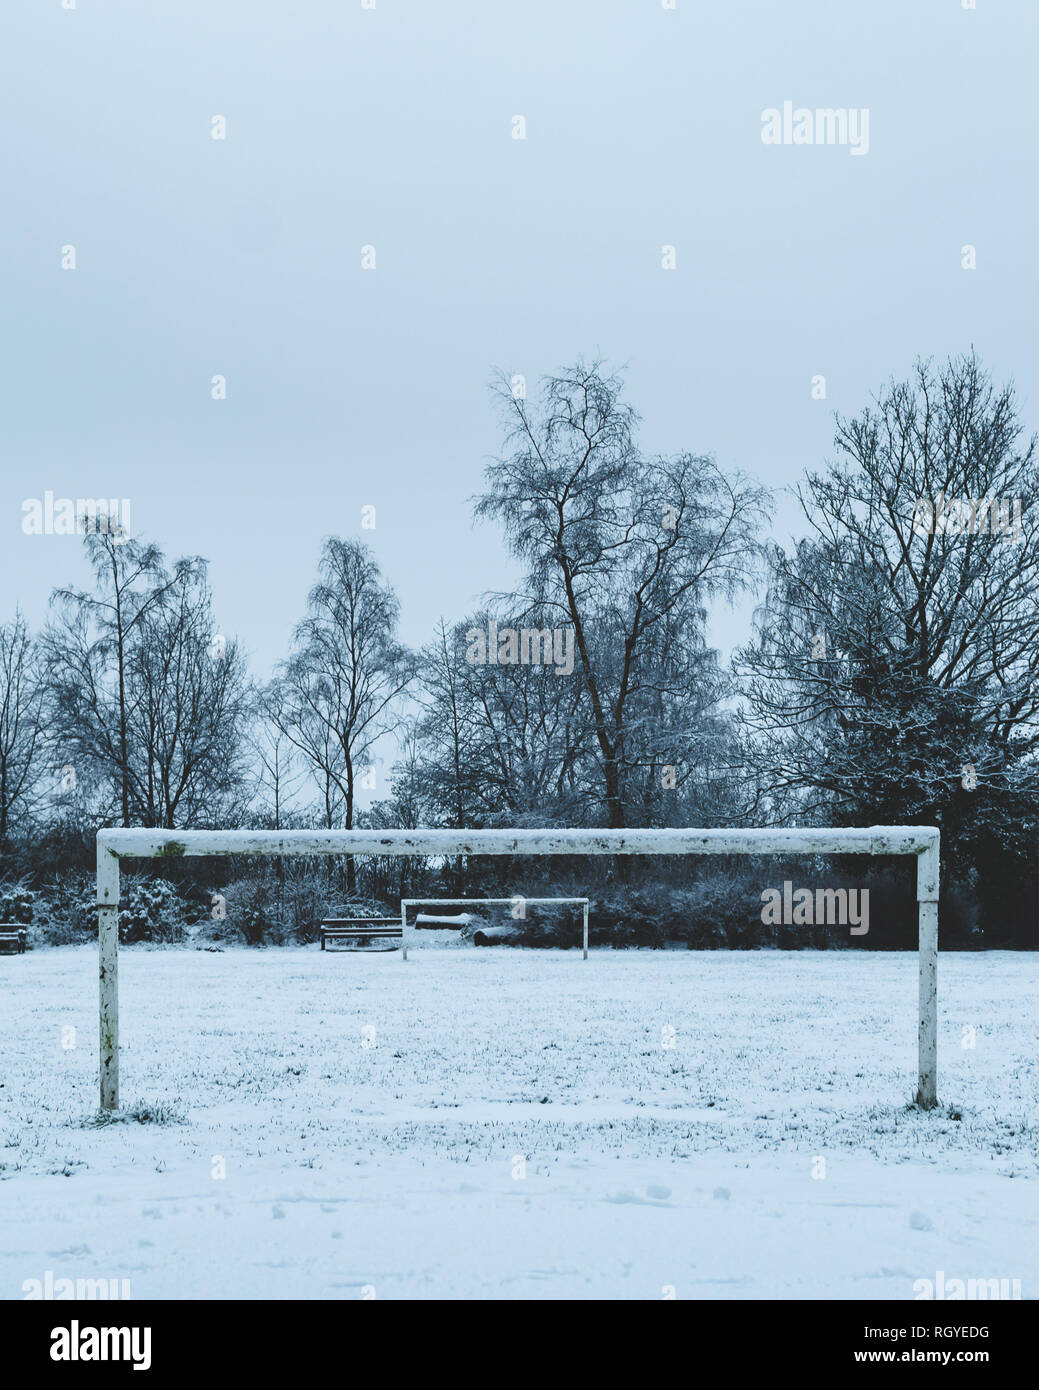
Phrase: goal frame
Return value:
(113, 845)
(405, 903)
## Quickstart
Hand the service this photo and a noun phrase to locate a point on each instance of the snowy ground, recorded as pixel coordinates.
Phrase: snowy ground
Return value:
(518, 1124)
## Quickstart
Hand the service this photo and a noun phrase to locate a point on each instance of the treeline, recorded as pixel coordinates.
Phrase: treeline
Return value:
(890, 678)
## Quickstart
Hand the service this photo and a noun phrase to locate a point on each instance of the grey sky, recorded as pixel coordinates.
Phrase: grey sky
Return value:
(393, 127)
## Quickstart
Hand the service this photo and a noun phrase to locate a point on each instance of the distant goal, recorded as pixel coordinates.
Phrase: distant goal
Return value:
(921, 841)
(408, 931)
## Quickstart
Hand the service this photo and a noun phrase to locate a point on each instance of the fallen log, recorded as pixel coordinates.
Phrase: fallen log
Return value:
(493, 936)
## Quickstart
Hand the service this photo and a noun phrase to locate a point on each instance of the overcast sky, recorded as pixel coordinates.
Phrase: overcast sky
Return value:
(393, 127)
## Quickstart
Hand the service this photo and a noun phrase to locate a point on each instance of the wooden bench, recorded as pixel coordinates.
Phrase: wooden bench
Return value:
(12, 937)
(357, 928)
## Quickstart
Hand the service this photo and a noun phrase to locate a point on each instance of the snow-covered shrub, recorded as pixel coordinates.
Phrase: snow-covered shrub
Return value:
(628, 917)
(265, 909)
(150, 909)
(718, 910)
(251, 914)
(66, 909)
(16, 904)
(305, 905)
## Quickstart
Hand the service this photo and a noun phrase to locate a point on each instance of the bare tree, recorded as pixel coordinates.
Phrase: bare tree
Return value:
(87, 649)
(409, 806)
(624, 549)
(444, 726)
(21, 725)
(500, 741)
(188, 702)
(894, 668)
(339, 691)
(278, 773)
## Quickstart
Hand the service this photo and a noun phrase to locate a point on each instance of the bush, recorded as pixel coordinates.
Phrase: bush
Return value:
(265, 910)
(150, 909)
(249, 914)
(16, 904)
(66, 909)
(153, 911)
(721, 909)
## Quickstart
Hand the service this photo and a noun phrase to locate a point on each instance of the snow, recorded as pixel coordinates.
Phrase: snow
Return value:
(434, 920)
(519, 1124)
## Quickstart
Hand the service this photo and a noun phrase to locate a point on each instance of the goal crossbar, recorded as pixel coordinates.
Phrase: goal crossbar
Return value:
(923, 841)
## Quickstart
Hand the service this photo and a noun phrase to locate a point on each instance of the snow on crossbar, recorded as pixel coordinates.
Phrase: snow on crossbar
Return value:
(113, 845)
(878, 839)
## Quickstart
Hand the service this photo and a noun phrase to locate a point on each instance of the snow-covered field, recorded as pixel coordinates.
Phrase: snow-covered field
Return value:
(518, 1124)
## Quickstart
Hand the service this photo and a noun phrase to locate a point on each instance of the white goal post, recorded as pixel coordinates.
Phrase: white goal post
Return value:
(405, 903)
(113, 845)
